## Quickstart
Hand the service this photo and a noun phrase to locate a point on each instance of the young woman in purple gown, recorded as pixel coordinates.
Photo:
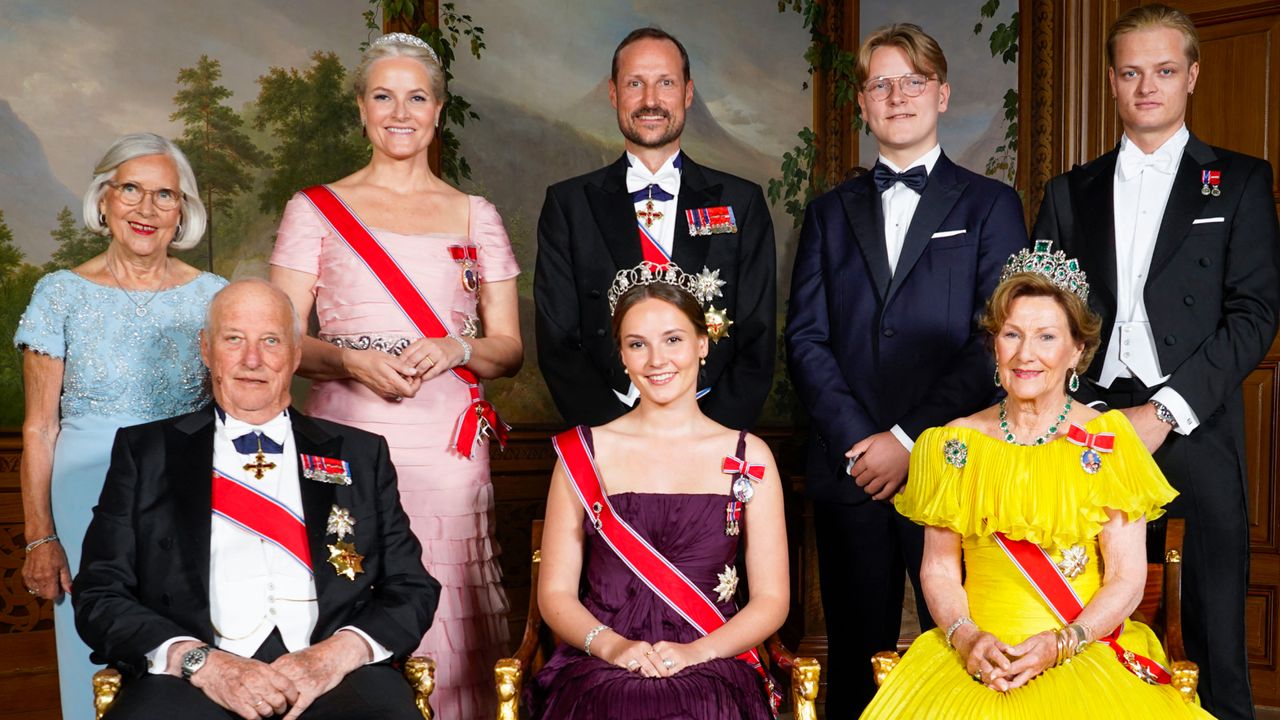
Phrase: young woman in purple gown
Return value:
(660, 471)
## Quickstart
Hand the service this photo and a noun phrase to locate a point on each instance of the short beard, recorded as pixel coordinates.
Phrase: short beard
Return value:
(629, 131)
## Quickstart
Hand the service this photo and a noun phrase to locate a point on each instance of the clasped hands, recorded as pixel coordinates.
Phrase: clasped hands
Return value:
(661, 659)
(880, 465)
(254, 689)
(1004, 667)
(397, 377)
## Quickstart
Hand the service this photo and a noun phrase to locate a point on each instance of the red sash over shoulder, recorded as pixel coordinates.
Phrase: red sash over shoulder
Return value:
(261, 515)
(1040, 570)
(663, 578)
(479, 416)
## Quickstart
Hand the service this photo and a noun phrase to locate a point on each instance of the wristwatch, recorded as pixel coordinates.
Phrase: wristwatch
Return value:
(193, 660)
(1164, 414)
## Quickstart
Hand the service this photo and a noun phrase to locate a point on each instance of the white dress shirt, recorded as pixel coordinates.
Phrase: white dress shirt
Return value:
(1141, 189)
(254, 585)
(663, 230)
(899, 204)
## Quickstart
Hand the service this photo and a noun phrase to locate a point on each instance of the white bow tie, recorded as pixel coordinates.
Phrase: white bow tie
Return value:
(1133, 161)
(639, 178)
(277, 428)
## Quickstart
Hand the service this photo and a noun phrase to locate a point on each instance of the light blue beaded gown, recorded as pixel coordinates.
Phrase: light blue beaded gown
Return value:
(121, 366)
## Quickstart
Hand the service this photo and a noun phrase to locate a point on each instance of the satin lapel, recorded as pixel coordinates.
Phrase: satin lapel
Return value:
(940, 195)
(1093, 202)
(615, 215)
(863, 211)
(317, 497)
(189, 470)
(1184, 205)
(690, 251)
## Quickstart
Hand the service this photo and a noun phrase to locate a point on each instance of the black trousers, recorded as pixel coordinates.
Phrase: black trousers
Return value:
(1207, 469)
(863, 551)
(373, 692)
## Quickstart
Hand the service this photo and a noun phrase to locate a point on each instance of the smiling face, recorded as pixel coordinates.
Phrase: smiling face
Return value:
(905, 127)
(143, 229)
(1034, 349)
(398, 109)
(250, 350)
(650, 94)
(1151, 81)
(660, 350)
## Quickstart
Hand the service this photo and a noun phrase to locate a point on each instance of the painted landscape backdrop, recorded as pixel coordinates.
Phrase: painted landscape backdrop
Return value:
(258, 92)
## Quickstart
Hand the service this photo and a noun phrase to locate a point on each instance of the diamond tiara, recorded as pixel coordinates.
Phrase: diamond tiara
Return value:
(704, 287)
(1063, 272)
(399, 38)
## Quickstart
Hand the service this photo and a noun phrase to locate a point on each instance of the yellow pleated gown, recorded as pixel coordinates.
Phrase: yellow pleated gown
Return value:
(1041, 494)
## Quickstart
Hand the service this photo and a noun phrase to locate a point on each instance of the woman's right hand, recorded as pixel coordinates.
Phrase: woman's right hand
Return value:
(386, 375)
(983, 654)
(46, 571)
(630, 655)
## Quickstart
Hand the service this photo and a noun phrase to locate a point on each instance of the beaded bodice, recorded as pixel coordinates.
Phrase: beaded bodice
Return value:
(117, 362)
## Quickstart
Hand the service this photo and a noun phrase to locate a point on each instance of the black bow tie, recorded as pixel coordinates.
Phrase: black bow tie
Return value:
(915, 178)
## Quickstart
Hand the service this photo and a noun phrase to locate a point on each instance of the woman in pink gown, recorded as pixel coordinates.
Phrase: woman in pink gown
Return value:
(374, 370)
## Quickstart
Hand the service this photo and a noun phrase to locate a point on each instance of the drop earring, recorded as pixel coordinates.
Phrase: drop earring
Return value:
(996, 377)
(1074, 383)
(702, 361)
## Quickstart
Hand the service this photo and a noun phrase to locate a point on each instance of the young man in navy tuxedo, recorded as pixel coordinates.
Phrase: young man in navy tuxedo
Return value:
(893, 269)
(1180, 244)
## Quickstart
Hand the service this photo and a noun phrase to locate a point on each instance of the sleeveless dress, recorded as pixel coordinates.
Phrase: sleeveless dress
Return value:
(1041, 494)
(689, 530)
(449, 499)
(119, 369)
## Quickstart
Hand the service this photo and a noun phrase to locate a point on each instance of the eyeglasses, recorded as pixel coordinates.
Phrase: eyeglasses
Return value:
(910, 84)
(133, 194)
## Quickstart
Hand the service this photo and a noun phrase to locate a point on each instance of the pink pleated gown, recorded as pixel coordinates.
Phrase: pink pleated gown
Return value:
(449, 498)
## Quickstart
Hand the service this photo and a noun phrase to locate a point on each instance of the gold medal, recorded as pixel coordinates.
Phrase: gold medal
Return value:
(718, 323)
(344, 558)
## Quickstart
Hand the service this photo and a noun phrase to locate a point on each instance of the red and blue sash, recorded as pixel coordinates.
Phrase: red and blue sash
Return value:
(261, 515)
(664, 579)
(480, 415)
(1048, 581)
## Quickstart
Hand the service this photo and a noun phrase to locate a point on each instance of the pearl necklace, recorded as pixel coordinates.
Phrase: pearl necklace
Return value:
(1012, 439)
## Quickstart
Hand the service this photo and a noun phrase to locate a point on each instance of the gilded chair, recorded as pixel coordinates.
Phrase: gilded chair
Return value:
(419, 670)
(1160, 608)
(539, 641)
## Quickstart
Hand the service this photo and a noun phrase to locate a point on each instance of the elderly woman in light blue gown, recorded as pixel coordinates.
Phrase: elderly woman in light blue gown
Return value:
(110, 343)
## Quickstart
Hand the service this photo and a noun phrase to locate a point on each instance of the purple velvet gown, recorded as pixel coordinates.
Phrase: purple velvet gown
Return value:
(690, 531)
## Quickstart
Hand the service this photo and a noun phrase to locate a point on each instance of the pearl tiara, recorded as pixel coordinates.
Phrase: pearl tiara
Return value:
(704, 287)
(1063, 272)
(399, 38)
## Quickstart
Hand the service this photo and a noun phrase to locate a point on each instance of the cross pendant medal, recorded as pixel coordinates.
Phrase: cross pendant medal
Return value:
(259, 463)
(648, 214)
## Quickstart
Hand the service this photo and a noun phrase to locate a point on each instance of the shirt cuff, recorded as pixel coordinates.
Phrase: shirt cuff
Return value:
(158, 659)
(376, 649)
(903, 437)
(1182, 412)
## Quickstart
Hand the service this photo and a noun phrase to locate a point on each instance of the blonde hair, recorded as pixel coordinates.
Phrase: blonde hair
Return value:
(192, 217)
(1150, 17)
(389, 48)
(1083, 323)
(921, 49)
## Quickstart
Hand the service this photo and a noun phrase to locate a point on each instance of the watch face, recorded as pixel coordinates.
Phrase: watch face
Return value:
(193, 660)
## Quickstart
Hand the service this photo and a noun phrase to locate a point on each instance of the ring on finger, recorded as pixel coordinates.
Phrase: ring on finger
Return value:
(978, 676)
(633, 664)
(668, 663)
(33, 591)
(260, 702)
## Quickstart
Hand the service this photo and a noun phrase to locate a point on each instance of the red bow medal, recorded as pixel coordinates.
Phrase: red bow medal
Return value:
(465, 255)
(1093, 444)
(747, 473)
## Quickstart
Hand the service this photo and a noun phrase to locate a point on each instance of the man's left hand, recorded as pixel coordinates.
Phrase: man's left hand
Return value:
(318, 669)
(882, 468)
(1150, 429)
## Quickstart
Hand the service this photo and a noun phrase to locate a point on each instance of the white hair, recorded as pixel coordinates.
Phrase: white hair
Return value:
(281, 296)
(130, 147)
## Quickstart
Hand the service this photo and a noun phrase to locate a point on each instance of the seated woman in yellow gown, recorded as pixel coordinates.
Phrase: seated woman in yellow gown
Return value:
(1035, 539)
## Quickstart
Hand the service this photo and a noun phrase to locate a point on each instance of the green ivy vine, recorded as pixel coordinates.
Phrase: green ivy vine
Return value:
(454, 28)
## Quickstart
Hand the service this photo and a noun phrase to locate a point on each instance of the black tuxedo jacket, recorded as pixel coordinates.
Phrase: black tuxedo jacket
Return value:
(144, 574)
(587, 233)
(1214, 287)
(867, 350)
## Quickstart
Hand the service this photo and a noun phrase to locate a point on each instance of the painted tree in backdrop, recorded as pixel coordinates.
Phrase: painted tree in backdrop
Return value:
(75, 243)
(220, 153)
(315, 118)
(10, 254)
(17, 279)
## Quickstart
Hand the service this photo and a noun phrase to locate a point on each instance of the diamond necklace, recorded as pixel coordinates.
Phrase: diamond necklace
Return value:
(139, 308)
(1012, 439)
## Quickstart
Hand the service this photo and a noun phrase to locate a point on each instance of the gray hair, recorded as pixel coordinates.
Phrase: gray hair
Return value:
(136, 145)
(280, 295)
(388, 48)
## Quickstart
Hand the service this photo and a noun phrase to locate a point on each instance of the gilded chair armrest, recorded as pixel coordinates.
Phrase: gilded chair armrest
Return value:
(882, 663)
(106, 685)
(1186, 678)
(507, 679)
(420, 671)
(806, 675)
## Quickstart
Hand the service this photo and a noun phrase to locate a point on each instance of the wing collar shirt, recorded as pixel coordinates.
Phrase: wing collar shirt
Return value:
(254, 585)
(1141, 191)
(899, 204)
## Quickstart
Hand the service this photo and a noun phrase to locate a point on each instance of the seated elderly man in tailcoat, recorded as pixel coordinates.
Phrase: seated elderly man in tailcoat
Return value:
(246, 560)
